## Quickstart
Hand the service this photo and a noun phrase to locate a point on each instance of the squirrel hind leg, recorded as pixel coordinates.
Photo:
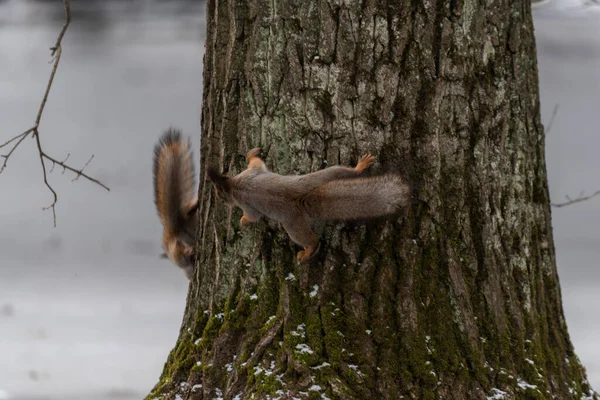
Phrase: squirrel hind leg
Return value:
(308, 253)
(300, 232)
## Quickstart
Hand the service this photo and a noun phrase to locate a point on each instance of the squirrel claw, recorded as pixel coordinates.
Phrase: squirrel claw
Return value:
(365, 162)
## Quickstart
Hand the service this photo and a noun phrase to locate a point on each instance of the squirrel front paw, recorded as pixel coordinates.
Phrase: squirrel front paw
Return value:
(365, 162)
(253, 153)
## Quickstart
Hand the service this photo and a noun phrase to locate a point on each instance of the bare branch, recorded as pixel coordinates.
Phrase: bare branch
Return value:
(55, 197)
(47, 92)
(64, 28)
(63, 161)
(577, 199)
(56, 53)
(78, 172)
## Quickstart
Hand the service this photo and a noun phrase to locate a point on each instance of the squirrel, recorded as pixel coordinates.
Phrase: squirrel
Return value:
(177, 206)
(334, 193)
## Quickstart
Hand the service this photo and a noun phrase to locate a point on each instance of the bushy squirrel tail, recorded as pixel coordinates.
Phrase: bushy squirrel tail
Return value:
(174, 181)
(358, 198)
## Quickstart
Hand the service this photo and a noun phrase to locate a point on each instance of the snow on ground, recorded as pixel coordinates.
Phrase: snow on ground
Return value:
(82, 335)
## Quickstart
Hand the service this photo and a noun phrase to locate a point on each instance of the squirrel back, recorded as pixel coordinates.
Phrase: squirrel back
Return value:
(357, 198)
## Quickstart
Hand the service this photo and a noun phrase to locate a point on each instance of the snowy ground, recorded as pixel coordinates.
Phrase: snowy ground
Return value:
(87, 310)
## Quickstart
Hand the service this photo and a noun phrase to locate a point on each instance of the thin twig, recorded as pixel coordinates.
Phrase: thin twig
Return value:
(55, 197)
(578, 199)
(56, 53)
(549, 124)
(78, 172)
(64, 28)
(28, 131)
(63, 161)
(22, 136)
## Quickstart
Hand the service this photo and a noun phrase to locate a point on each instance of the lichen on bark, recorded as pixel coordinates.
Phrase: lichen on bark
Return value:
(458, 297)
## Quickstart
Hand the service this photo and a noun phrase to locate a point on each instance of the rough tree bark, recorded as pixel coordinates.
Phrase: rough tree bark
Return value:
(457, 299)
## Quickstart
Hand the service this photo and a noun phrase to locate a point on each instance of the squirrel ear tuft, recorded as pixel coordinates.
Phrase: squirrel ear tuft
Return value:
(163, 255)
(220, 180)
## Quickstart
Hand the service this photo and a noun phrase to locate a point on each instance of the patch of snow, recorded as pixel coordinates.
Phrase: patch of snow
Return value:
(279, 379)
(314, 291)
(299, 331)
(219, 394)
(254, 297)
(497, 394)
(315, 388)
(325, 364)
(355, 369)
(524, 385)
(304, 349)
(290, 278)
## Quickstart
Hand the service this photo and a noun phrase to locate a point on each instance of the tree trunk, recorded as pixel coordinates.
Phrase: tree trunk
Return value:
(459, 297)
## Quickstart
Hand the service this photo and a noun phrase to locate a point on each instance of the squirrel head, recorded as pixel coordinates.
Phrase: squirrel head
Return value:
(222, 185)
(179, 253)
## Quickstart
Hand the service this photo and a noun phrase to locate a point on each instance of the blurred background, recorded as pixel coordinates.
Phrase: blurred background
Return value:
(88, 310)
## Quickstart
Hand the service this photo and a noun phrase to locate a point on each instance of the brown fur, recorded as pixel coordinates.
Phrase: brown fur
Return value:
(295, 200)
(176, 203)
